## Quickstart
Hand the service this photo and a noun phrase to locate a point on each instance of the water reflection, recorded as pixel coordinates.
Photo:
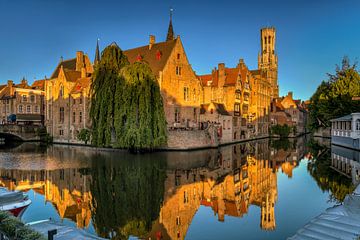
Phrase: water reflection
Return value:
(157, 195)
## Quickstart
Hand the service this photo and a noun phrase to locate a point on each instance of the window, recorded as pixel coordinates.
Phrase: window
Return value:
(178, 70)
(28, 109)
(74, 117)
(186, 199)
(36, 109)
(177, 115)
(177, 220)
(74, 101)
(24, 98)
(61, 91)
(186, 94)
(358, 125)
(61, 115)
(32, 98)
(238, 94)
(80, 100)
(237, 109)
(80, 117)
(178, 56)
(20, 108)
(61, 132)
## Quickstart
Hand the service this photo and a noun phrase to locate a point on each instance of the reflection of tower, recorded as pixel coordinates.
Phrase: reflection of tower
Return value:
(267, 59)
(268, 211)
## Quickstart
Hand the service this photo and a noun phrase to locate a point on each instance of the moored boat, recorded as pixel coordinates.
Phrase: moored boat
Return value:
(14, 202)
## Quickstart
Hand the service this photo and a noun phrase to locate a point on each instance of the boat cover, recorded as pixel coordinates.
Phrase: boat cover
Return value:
(7, 197)
(338, 222)
(63, 232)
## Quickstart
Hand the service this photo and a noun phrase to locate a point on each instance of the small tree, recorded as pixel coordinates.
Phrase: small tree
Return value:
(84, 135)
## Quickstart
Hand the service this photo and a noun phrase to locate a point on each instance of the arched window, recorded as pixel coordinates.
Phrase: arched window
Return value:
(61, 91)
(358, 125)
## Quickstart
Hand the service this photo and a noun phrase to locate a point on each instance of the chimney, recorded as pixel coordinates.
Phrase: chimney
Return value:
(83, 72)
(221, 67)
(151, 41)
(79, 60)
(10, 85)
(290, 94)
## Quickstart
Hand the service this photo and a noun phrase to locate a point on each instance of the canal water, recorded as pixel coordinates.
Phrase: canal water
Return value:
(255, 190)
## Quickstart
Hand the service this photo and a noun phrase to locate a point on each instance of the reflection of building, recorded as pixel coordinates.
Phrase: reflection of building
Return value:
(347, 162)
(233, 179)
(67, 189)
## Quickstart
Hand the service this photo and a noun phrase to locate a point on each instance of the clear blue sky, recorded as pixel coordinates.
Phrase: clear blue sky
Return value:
(312, 36)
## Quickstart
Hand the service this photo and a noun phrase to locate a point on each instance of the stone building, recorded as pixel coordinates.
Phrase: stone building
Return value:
(180, 88)
(68, 99)
(22, 103)
(216, 114)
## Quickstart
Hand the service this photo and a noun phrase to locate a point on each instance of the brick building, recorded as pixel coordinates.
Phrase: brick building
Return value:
(68, 99)
(180, 88)
(22, 103)
(287, 110)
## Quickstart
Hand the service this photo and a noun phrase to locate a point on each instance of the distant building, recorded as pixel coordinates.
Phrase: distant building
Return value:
(286, 110)
(22, 103)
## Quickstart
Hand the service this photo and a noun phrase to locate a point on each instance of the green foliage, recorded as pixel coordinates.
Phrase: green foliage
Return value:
(44, 135)
(127, 195)
(84, 135)
(15, 229)
(333, 98)
(139, 115)
(127, 109)
(282, 143)
(282, 130)
(326, 177)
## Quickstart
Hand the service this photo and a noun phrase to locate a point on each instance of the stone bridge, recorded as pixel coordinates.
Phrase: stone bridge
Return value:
(19, 132)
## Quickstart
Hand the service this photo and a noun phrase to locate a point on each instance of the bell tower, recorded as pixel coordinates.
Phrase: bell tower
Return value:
(267, 59)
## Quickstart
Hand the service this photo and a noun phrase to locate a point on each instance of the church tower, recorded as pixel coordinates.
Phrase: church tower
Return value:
(267, 59)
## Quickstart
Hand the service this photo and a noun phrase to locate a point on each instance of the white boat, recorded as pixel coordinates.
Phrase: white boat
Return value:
(14, 202)
(59, 231)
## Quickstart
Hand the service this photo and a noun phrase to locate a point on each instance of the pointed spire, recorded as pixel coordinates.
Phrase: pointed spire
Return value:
(170, 34)
(97, 53)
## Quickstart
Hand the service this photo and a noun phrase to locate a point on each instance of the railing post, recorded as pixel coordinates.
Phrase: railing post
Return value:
(51, 234)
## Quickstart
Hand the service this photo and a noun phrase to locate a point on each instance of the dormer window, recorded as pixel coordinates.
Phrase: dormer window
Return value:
(139, 58)
(158, 55)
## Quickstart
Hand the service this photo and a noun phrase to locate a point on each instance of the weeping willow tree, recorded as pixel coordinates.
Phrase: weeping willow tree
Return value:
(127, 109)
(106, 78)
(139, 113)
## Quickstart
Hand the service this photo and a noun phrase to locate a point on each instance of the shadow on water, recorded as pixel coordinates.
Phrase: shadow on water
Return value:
(158, 195)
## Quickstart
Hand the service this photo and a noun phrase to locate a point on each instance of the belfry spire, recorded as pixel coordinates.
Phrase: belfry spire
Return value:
(97, 53)
(170, 34)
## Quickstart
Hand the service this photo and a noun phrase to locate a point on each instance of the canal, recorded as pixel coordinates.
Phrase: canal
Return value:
(255, 190)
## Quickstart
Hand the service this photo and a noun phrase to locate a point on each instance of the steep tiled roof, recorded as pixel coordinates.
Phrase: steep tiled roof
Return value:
(72, 75)
(23, 85)
(2, 87)
(81, 84)
(205, 79)
(39, 85)
(5, 93)
(156, 57)
(69, 64)
(231, 76)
